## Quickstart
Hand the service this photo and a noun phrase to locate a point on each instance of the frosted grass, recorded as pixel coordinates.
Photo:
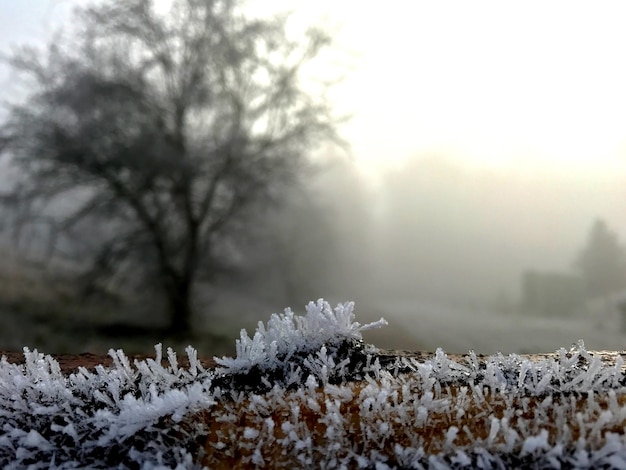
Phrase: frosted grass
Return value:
(327, 400)
(272, 346)
(121, 416)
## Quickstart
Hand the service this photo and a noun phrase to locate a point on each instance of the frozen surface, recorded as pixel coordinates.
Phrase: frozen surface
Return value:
(305, 391)
(287, 334)
(119, 416)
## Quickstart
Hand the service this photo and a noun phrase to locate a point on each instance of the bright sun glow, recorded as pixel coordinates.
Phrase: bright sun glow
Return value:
(532, 85)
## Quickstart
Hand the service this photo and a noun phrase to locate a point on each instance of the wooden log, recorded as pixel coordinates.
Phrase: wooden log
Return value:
(402, 421)
(413, 409)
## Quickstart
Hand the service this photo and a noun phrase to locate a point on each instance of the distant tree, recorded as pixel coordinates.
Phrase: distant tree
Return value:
(602, 262)
(155, 137)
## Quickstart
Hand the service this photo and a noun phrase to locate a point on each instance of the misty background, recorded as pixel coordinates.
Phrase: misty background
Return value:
(460, 211)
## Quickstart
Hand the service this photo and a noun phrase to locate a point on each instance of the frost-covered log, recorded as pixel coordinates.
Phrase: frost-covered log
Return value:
(305, 391)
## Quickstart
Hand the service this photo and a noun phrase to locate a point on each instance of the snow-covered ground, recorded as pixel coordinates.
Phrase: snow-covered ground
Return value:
(460, 330)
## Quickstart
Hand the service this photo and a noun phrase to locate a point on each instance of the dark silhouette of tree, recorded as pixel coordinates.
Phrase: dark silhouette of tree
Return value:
(602, 262)
(152, 139)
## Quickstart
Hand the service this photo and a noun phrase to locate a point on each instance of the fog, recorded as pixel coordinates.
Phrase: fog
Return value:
(439, 244)
(470, 164)
(436, 248)
(440, 250)
(445, 231)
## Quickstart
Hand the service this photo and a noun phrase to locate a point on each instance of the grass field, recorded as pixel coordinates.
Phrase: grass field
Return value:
(41, 309)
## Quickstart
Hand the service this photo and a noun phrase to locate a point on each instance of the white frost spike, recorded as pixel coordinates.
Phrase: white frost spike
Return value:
(43, 411)
(451, 435)
(493, 432)
(286, 334)
(534, 443)
(36, 441)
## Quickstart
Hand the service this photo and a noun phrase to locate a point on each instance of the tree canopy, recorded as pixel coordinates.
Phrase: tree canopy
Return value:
(153, 137)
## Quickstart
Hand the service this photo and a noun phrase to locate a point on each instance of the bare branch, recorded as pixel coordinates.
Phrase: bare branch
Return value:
(169, 128)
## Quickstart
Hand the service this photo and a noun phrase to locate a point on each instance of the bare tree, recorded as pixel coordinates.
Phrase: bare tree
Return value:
(162, 134)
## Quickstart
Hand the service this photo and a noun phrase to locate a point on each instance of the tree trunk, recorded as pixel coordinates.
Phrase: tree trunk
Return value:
(180, 310)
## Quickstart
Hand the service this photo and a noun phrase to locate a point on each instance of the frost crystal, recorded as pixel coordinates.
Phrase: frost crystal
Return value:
(325, 342)
(122, 416)
(287, 334)
(306, 392)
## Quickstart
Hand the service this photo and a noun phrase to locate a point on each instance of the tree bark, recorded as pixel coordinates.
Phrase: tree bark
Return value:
(180, 309)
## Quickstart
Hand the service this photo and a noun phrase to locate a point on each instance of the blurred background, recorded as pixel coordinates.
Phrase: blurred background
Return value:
(174, 172)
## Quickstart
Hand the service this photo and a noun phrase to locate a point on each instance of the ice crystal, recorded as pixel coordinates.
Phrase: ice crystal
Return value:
(325, 342)
(106, 417)
(306, 392)
(287, 334)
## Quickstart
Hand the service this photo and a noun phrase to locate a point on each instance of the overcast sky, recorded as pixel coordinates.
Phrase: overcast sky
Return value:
(30, 20)
(535, 85)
